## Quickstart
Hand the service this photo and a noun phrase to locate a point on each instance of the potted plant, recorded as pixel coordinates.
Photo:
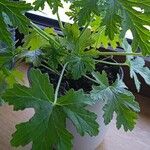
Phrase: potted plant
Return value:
(68, 83)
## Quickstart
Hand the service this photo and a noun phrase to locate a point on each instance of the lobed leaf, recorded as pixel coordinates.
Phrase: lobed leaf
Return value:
(49, 118)
(117, 100)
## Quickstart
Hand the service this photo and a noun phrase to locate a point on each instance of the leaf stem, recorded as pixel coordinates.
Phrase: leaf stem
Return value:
(119, 54)
(111, 63)
(48, 68)
(90, 79)
(44, 34)
(59, 21)
(59, 82)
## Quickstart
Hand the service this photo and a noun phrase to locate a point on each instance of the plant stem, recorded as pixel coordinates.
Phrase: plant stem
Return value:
(59, 82)
(111, 63)
(86, 26)
(59, 21)
(90, 78)
(119, 54)
(48, 68)
(44, 34)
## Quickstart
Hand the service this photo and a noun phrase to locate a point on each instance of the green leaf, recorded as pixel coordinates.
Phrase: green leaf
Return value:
(99, 35)
(112, 19)
(85, 9)
(135, 21)
(132, 19)
(79, 60)
(137, 66)
(53, 4)
(117, 100)
(15, 76)
(5, 58)
(46, 121)
(84, 120)
(49, 118)
(117, 16)
(14, 11)
(80, 64)
(71, 34)
(5, 34)
(73, 39)
(101, 39)
(34, 41)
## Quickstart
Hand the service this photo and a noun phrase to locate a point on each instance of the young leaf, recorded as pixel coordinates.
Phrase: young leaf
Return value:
(34, 41)
(74, 41)
(100, 37)
(14, 11)
(15, 76)
(49, 118)
(118, 100)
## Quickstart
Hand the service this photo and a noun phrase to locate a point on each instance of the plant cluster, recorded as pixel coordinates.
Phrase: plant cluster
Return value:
(74, 54)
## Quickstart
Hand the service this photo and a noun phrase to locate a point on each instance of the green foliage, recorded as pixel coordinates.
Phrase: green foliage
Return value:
(5, 35)
(8, 79)
(118, 100)
(15, 76)
(137, 66)
(79, 61)
(80, 64)
(54, 56)
(47, 128)
(34, 41)
(14, 11)
(87, 7)
(75, 40)
(136, 21)
(112, 19)
(54, 4)
(5, 58)
(105, 24)
(117, 15)
(99, 36)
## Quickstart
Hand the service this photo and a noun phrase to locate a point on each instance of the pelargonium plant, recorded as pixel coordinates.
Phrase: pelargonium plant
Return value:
(60, 61)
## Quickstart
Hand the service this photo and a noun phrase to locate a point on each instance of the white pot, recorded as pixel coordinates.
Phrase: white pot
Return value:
(86, 142)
